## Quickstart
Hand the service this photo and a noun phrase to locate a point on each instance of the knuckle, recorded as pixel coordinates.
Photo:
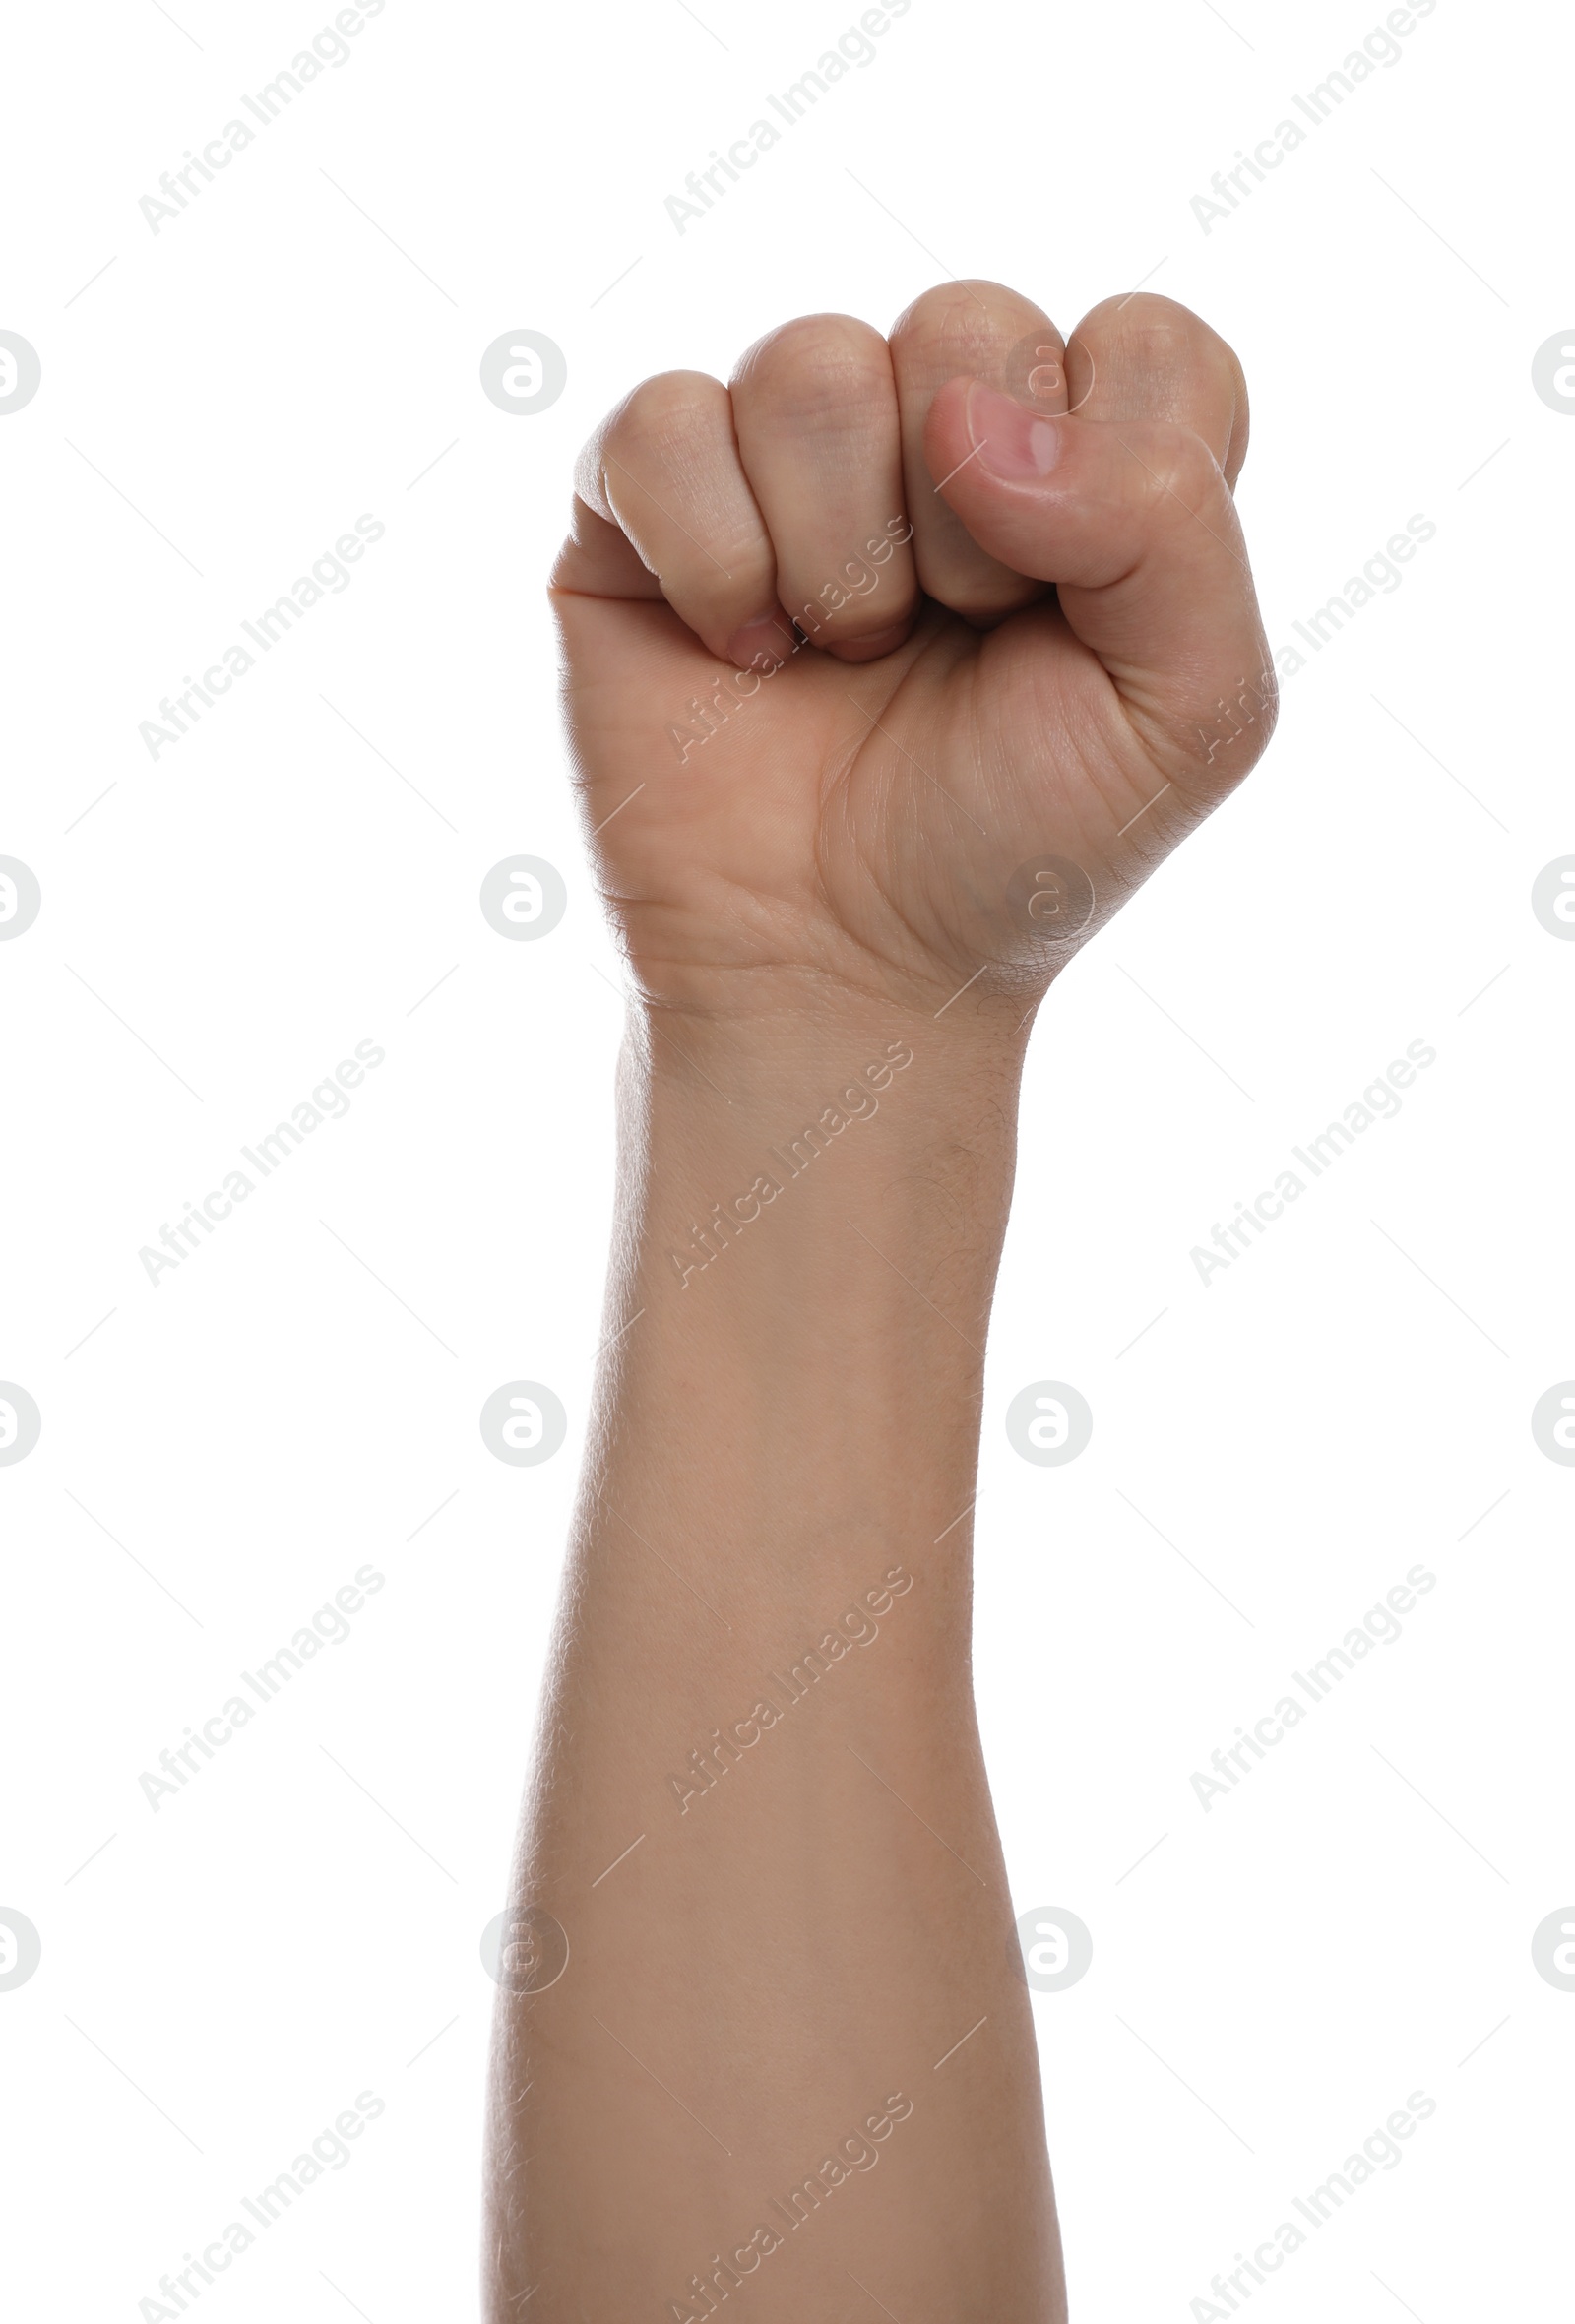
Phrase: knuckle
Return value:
(1157, 356)
(663, 414)
(949, 308)
(1158, 333)
(828, 367)
(664, 465)
(961, 329)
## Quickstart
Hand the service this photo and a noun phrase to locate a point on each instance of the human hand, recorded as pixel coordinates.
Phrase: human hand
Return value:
(1032, 633)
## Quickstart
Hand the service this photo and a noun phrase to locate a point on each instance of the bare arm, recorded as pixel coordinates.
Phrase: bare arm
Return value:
(762, 1690)
(782, 2055)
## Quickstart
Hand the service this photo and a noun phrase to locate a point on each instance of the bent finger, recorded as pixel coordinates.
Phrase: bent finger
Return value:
(664, 469)
(1145, 357)
(815, 409)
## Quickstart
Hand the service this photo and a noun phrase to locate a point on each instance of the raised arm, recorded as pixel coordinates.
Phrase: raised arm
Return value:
(760, 2034)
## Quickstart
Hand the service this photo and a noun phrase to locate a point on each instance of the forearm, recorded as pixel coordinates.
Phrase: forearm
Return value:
(760, 1812)
(761, 1691)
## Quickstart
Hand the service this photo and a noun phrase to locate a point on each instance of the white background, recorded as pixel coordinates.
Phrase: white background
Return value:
(301, 1924)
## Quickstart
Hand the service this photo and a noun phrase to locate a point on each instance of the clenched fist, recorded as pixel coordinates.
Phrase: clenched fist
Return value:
(896, 664)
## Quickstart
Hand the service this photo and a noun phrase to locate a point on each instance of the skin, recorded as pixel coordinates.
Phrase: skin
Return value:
(792, 1955)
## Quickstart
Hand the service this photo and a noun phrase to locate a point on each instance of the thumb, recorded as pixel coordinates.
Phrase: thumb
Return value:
(1134, 523)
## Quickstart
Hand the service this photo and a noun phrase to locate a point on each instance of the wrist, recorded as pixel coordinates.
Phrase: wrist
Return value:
(807, 1121)
(799, 1301)
(945, 1072)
